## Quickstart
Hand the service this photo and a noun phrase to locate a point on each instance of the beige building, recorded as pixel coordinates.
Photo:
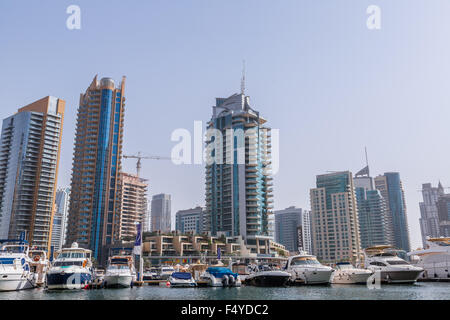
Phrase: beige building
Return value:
(334, 218)
(133, 204)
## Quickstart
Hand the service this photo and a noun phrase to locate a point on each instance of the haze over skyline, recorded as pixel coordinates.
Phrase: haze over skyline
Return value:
(314, 71)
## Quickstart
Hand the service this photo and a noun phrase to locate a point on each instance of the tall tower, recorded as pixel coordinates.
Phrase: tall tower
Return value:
(429, 218)
(238, 172)
(94, 217)
(391, 189)
(29, 159)
(334, 218)
(161, 212)
(60, 218)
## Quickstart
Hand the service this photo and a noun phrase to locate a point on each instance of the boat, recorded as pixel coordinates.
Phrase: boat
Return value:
(39, 266)
(306, 269)
(72, 269)
(150, 274)
(98, 277)
(220, 277)
(384, 261)
(165, 272)
(266, 276)
(15, 271)
(120, 272)
(181, 280)
(346, 273)
(197, 269)
(242, 269)
(434, 259)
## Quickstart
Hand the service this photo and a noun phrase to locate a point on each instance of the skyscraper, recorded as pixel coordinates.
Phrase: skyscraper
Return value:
(60, 218)
(334, 218)
(443, 206)
(391, 189)
(429, 218)
(190, 220)
(133, 204)
(29, 159)
(374, 222)
(238, 173)
(95, 203)
(161, 213)
(292, 229)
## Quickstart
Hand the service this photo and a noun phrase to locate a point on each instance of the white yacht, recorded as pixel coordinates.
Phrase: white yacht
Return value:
(306, 269)
(392, 269)
(120, 272)
(181, 280)
(39, 266)
(15, 272)
(165, 272)
(435, 259)
(72, 269)
(346, 273)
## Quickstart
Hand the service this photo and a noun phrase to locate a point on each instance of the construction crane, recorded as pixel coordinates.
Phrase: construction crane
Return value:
(139, 157)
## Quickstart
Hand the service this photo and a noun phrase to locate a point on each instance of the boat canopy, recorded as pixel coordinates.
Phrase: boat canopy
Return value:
(219, 272)
(182, 275)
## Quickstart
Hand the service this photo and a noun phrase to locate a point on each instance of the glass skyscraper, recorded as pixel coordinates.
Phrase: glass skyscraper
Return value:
(238, 170)
(391, 189)
(161, 212)
(94, 213)
(292, 229)
(429, 218)
(60, 219)
(29, 159)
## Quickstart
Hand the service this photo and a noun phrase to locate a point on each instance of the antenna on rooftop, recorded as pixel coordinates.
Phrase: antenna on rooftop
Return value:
(243, 78)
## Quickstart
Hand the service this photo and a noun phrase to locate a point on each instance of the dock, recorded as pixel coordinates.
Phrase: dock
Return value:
(200, 283)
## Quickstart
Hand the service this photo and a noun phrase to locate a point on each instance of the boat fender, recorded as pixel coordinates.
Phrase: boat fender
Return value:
(84, 263)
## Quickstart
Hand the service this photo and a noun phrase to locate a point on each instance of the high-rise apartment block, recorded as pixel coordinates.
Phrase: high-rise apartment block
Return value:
(429, 217)
(59, 229)
(29, 158)
(334, 218)
(94, 217)
(161, 214)
(190, 220)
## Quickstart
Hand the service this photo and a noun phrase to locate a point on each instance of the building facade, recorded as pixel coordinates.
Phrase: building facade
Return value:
(443, 205)
(238, 173)
(94, 217)
(374, 222)
(292, 229)
(391, 189)
(59, 229)
(29, 159)
(429, 217)
(334, 218)
(161, 214)
(133, 204)
(190, 220)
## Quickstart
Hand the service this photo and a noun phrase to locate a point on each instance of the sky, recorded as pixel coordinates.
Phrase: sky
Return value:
(313, 70)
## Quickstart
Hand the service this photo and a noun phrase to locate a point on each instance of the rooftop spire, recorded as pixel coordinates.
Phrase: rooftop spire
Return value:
(243, 78)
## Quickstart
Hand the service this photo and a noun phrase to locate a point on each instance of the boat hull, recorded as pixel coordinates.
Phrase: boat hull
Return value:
(312, 277)
(15, 282)
(118, 281)
(403, 276)
(267, 280)
(353, 278)
(70, 280)
(182, 284)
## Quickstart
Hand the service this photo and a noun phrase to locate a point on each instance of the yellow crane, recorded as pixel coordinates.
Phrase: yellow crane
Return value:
(139, 157)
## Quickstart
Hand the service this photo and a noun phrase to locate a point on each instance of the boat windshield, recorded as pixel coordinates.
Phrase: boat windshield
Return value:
(345, 266)
(304, 261)
(117, 267)
(119, 261)
(72, 255)
(67, 263)
(397, 262)
(13, 249)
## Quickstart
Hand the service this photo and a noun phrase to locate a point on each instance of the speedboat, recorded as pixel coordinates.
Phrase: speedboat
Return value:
(435, 259)
(39, 266)
(181, 280)
(15, 272)
(384, 261)
(265, 276)
(346, 273)
(120, 272)
(72, 269)
(220, 277)
(306, 269)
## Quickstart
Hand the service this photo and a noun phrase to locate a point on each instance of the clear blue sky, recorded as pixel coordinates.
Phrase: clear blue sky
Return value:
(314, 71)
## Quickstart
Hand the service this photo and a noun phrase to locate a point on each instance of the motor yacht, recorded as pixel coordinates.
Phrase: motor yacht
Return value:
(165, 272)
(15, 271)
(434, 259)
(346, 273)
(306, 269)
(181, 280)
(384, 261)
(220, 277)
(72, 269)
(120, 272)
(266, 276)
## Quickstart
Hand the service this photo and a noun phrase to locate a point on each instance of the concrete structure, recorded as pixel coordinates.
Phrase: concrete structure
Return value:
(29, 159)
(161, 214)
(133, 204)
(238, 175)
(292, 229)
(373, 217)
(443, 206)
(190, 220)
(334, 218)
(59, 229)
(391, 189)
(429, 218)
(94, 212)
